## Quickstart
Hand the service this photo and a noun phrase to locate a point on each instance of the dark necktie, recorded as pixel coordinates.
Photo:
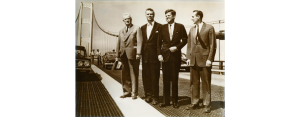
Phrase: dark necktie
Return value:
(126, 29)
(198, 35)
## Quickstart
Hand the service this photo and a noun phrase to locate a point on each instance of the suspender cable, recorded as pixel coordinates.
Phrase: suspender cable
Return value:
(107, 32)
(80, 23)
(92, 27)
(219, 41)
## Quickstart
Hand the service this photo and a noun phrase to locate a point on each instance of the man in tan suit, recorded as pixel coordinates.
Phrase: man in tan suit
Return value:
(129, 50)
(201, 51)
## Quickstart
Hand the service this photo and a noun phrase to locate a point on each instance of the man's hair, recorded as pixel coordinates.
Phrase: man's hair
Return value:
(149, 9)
(198, 12)
(127, 14)
(172, 11)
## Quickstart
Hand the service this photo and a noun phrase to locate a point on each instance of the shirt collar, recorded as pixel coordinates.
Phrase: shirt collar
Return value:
(172, 24)
(151, 23)
(200, 24)
(129, 26)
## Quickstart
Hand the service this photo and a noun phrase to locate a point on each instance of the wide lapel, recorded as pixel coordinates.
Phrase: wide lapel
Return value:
(201, 32)
(144, 30)
(128, 33)
(194, 34)
(203, 28)
(174, 31)
(168, 39)
(124, 33)
(153, 29)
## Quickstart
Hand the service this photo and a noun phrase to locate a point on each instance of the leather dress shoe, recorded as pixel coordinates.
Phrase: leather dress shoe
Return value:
(155, 102)
(148, 100)
(134, 97)
(175, 105)
(192, 107)
(163, 105)
(124, 96)
(200, 104)
(207, 110)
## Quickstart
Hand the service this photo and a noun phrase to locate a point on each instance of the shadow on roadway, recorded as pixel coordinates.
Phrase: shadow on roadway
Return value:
(91, 76)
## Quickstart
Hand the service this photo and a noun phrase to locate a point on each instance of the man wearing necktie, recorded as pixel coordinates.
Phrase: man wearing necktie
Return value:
(172, 37)
(201, 51)
(129, 48)
(150, 63)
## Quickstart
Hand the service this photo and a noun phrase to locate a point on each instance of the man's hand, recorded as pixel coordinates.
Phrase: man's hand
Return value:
(138, 57)
(173, 49)
(160, 58)
(188, 62)
(208, 63)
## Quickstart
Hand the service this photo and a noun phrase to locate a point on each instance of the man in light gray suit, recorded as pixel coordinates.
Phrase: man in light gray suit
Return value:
(128, 49)
(201, 51)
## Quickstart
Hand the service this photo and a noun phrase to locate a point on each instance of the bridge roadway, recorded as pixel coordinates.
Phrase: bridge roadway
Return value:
(98, 95)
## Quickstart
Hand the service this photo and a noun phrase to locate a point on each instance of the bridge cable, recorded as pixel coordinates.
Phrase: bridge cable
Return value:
(107, 32)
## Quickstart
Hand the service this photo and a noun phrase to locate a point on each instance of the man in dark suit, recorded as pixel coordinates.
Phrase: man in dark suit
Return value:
(150, 63)
(201, 51)
(172, 37)
(129, 48)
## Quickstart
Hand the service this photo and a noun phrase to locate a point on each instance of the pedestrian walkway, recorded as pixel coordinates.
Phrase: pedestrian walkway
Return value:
(128, 106)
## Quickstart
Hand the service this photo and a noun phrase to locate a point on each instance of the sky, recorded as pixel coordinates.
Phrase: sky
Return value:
(109, 14)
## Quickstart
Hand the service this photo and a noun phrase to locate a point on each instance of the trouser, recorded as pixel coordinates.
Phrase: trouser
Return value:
(205, 74)
(150, 74)
(130, 73)
(170, 74)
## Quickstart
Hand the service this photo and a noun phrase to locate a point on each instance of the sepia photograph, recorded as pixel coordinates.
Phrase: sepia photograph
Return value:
(150, 58)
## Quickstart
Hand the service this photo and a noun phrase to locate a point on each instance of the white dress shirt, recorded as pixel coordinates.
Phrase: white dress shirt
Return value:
(149, 29)
(172, 29)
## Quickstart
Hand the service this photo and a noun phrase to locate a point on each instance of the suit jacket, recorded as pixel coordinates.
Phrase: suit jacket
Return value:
(179, 40)
(150, 47)
(130, 42)
(205, 48)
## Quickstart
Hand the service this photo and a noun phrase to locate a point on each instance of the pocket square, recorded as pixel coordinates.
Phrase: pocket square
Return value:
(176, 32)
(156, 32)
